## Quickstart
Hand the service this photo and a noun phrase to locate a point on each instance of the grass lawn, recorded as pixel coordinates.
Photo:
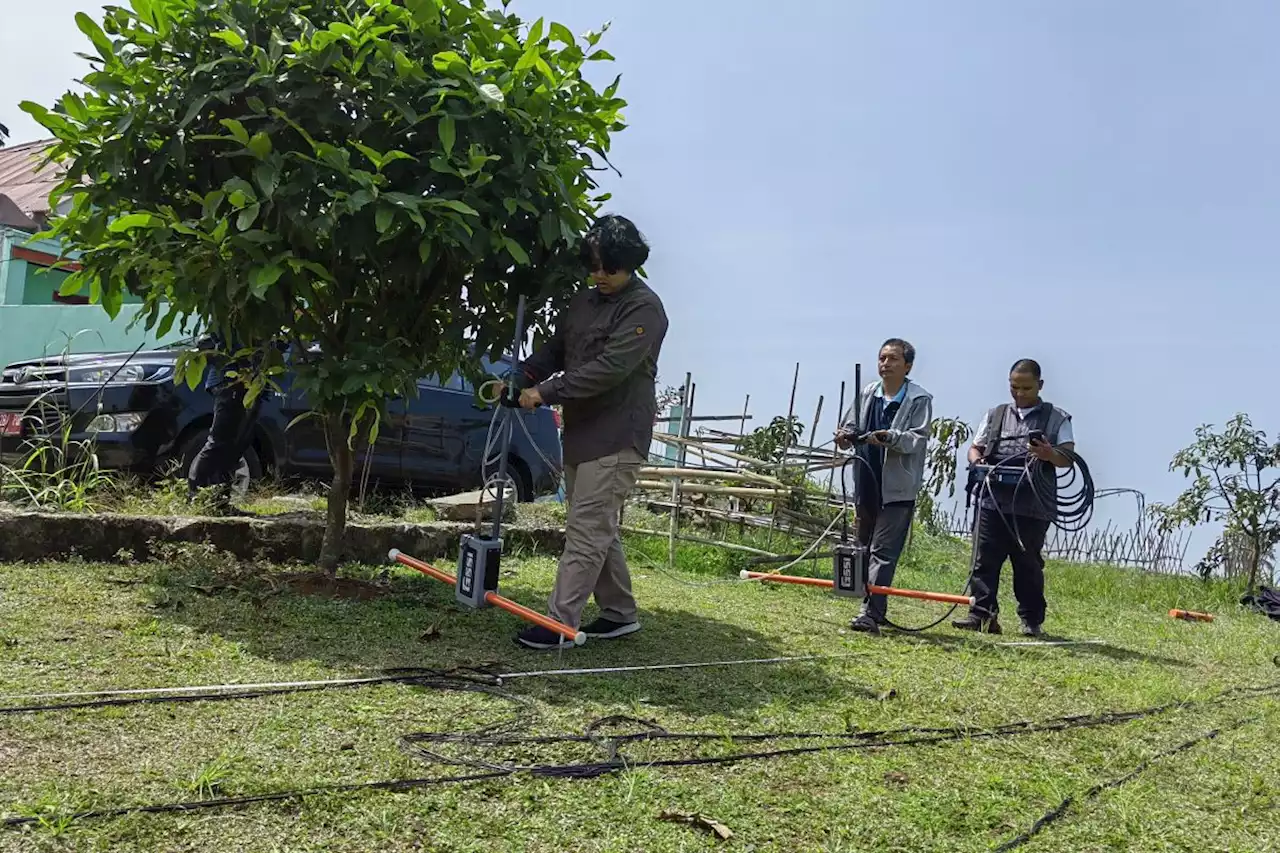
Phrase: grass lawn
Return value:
(196, 620)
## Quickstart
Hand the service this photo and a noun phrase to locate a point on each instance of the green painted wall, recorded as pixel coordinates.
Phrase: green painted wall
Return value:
(43, 283)
(13, 273)
(33, 331)
(32, 325)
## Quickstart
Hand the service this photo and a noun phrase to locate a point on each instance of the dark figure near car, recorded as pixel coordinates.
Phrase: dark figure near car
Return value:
(230, 432)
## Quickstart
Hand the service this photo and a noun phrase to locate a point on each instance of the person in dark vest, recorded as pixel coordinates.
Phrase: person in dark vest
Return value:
(896, 413)
(232, 427)
(600, 365)
(1011, 521)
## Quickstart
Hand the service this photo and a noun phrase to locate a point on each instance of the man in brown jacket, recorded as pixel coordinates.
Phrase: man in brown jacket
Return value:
(600, 366)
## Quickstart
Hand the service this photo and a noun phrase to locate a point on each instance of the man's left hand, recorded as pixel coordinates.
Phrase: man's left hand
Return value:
(1042, 450)
(530, 398)
(880, 438)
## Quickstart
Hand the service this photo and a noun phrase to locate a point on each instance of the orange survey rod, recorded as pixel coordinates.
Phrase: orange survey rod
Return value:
(496, 600)
(1191, 615)
(872, 589)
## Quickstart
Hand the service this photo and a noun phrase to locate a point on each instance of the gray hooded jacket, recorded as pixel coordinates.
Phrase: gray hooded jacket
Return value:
(904, 457)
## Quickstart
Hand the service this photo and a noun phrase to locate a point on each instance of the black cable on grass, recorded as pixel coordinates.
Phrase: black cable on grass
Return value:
(1093, 793)
(490, 737)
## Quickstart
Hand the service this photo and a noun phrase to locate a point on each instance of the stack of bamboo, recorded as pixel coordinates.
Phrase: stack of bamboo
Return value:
(744, 480)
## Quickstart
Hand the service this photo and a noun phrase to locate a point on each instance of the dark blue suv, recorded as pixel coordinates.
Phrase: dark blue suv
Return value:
(128, 408)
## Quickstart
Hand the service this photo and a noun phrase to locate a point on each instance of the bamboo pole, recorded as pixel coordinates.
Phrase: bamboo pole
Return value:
(742, 430)
(713, 512)
(686, 412)
(704, 418)
(786, 558)
(728, 454)
(703, 489)
(684, 537)
(791, 413)
(817, 416)
(742, 426)
(710, 474)
(786, 448)
(831, 481)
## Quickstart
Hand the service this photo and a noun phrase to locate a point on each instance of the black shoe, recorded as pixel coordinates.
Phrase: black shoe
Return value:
(974, 622)
(607, 629)
(1031, 629)
(864, 624)
(541, 639)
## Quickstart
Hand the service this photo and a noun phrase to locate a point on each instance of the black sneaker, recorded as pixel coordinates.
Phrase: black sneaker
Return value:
(974, 622)
(607, 629)
(864, 624)
(1030, 629)
(540, 638)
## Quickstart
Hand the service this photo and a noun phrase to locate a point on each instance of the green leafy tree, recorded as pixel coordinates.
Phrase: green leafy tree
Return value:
(1235, 481)
(947, 438)
(771, 443)
(373, 181)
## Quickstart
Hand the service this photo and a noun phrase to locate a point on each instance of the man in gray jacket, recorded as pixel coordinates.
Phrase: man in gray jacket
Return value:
(895, 415)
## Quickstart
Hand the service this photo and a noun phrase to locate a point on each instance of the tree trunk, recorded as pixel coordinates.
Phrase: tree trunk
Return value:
(342, 459)
(1255, 562)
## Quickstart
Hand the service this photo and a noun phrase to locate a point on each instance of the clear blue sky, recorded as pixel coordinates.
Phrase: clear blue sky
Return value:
(1094, 184)
(1091, 183)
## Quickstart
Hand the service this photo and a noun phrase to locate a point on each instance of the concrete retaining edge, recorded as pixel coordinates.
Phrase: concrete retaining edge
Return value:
(36, 536)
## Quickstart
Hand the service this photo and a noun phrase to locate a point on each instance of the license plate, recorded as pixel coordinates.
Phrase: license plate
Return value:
(10, 423)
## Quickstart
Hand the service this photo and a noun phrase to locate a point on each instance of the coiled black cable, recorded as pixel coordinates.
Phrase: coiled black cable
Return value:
(1069, 511)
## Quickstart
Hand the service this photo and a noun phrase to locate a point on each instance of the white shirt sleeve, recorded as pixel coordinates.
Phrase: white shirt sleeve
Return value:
(1066, 435)
(978, 436)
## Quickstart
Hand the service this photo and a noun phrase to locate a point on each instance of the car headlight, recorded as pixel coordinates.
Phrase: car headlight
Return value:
(123, 422)
(117, 374)
(101, 375)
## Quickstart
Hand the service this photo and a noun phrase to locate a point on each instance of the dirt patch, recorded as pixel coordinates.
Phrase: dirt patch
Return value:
(321, 585)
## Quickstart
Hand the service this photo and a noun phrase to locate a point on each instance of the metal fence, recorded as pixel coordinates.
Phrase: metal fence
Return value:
(1140, 545)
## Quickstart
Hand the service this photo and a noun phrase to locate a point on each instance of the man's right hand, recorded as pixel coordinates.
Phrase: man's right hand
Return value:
(510, 398)
(844, 439)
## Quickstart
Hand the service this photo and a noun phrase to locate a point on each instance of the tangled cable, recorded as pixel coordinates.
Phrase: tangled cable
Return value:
(490, 393)
(498, 736)
(1069, 511)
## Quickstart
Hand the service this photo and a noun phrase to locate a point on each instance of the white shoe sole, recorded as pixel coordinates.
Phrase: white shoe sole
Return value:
(616, 632)
(542, 647)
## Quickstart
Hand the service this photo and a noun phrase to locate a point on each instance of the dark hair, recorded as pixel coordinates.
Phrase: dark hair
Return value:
(1026, 365)
(615, 244)
(908, 351)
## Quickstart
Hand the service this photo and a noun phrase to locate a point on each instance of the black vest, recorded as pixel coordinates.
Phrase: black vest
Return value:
(1007, 443)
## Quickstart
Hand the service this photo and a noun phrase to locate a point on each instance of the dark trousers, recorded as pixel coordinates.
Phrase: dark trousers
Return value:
(994, 543)
(883, 530)
(229, 435)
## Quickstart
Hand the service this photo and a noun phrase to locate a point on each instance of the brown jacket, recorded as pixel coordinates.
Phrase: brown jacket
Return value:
(605, 351)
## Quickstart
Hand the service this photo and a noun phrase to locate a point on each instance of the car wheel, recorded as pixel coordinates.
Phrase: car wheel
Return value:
(247, 470)
(517, 481)
(521, 480)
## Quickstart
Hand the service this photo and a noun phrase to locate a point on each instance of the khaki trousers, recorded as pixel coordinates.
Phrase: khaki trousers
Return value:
(592, 561)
